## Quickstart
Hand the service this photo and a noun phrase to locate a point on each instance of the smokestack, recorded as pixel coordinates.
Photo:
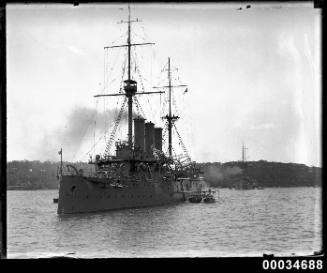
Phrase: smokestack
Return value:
(139, 133)
(149, 138)
(158, 138)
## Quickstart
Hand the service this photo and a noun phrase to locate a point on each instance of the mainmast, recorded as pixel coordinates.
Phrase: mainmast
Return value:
(170, 117)
(169, 85)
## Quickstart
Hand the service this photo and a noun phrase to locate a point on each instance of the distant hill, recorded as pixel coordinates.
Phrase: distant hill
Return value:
(264, 173)
(43, 175)
(35, 174)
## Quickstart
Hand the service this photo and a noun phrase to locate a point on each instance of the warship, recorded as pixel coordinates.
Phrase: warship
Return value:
(140, 173)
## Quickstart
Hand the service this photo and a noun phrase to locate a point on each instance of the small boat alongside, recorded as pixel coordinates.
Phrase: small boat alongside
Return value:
(209, 199)
(55, 200)
(206, 196)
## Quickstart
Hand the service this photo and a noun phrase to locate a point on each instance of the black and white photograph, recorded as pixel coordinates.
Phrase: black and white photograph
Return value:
(163, 130)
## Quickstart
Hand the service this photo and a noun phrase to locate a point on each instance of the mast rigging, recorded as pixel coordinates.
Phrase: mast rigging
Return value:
(170, 117)
(130, 86)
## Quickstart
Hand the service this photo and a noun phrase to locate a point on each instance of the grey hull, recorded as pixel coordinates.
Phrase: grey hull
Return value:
(78, 194)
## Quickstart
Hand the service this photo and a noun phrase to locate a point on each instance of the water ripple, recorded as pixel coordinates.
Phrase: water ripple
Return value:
(241, 223)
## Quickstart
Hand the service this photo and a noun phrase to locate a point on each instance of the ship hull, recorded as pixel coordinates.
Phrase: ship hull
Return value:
(78, 194)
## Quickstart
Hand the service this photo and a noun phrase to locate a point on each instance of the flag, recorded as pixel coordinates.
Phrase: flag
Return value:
(60, 152)
(186, 90)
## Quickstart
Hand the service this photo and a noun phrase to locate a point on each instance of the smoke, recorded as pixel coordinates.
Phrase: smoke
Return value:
(230, 171)
(78, 130)
(216, 173)
(221, 173)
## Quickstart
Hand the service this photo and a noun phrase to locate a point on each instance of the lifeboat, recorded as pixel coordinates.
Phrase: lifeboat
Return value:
(209, 199)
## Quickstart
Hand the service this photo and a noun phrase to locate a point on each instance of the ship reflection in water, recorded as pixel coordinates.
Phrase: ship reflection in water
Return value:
(239, 223)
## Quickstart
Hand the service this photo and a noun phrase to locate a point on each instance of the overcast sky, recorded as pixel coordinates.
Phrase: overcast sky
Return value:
(253, 76)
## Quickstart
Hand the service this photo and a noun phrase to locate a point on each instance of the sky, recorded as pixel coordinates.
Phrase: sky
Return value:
(253, 76)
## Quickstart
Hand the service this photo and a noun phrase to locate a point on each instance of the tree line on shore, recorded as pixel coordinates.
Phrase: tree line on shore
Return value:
(262, 173)
(26, 174)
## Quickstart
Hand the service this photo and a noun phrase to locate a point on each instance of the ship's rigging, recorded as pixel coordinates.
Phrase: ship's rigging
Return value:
(128, 90)
(171, 119)
(139, 173)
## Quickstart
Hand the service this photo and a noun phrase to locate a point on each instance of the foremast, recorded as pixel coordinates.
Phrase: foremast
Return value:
(130, 88)
(130, 85)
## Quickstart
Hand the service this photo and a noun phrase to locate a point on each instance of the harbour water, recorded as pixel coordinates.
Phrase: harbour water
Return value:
(280, 221)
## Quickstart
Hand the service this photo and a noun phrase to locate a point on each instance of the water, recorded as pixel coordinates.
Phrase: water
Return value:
(280, 221)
